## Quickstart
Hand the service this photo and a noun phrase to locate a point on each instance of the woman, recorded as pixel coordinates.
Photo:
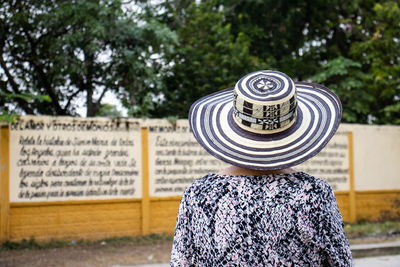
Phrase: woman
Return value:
(260, 211)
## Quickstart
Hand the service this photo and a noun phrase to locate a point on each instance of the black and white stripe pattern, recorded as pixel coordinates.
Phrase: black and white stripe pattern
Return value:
(267, 123)
(213, 125)
(265, 102)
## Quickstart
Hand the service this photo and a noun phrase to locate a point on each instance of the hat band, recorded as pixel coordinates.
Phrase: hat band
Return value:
(266, 125)
(263, 111)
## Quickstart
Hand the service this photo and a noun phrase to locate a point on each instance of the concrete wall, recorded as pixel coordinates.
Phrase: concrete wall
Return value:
(376, 156)
(376, 171)
(369, 190)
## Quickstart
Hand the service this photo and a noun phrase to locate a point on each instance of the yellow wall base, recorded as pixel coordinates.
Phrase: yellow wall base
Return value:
(378, 205)
(93, 220)
(374, 205)
(75, 221)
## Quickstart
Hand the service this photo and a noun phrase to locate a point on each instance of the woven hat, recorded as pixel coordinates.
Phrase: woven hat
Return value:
(267, 121)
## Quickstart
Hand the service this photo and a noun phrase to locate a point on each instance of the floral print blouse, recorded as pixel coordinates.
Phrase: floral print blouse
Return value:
(271, 220)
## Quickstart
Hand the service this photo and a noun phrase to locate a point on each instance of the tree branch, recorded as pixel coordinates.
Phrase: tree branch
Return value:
(99, 82)
(101, 96)
(24, 105)
(53, 35)
(72, 97)
(47, 86)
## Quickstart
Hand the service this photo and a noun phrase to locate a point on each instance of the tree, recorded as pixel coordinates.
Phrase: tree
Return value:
(5, 114)
(208, 58)
(168, 54)
(108, 110)
(346, 78)
(351, 46)
(378, 52)
(73, 49)
(292, 36)
(368, 82)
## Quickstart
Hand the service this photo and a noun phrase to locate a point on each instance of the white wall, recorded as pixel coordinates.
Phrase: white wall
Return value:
(376, 156)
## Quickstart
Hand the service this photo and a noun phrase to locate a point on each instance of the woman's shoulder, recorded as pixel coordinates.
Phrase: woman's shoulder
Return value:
(316, 182)
(297, 180)
(204, 182)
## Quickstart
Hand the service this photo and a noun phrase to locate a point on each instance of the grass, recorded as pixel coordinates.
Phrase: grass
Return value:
(356, 230)
(372, 229)
(139, 240)
(136, 240)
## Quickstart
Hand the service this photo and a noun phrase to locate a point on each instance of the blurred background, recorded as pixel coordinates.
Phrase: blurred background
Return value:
(152, 58)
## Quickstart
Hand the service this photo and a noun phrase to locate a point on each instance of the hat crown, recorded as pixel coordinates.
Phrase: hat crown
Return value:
(265, 102)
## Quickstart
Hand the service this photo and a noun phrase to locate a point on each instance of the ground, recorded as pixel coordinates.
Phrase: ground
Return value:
(114, 252)
(98, 255)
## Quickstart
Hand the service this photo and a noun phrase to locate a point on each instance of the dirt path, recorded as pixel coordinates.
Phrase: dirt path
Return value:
(109, 254)
(93, 255)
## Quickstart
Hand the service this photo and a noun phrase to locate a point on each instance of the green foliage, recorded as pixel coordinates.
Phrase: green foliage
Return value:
(378, 52)
(9, 117)
(208, 58)
(292, 36)
(345, 77)
(144, 108)
(26, 96)
(31, 244)
(350, 46)
(169, 53)
(136, 240)
(368, 83)
(74, 49)
(139, 240)
(371, 229)
(108, 110)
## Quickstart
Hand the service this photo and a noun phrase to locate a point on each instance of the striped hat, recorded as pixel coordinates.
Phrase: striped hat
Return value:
(267, 121)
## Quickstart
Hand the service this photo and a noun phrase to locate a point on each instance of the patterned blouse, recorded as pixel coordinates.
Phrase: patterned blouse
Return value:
(270, 220)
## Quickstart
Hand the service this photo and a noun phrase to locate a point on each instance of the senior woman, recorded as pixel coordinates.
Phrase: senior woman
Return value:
(260, 211)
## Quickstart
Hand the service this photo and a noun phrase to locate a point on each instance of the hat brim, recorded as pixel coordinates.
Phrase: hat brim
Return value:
(318, 116)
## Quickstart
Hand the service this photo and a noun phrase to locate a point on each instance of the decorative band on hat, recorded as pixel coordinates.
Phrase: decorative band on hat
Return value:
(264, 119)
(266, 125)
(263, 111)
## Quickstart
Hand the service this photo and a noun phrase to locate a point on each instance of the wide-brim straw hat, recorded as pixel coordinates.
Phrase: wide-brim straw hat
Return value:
(267, 121)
